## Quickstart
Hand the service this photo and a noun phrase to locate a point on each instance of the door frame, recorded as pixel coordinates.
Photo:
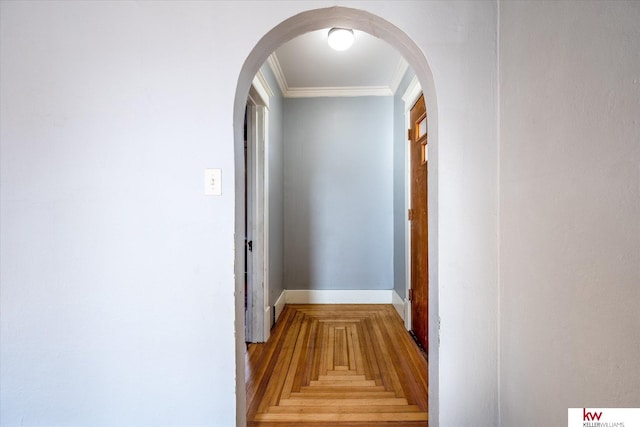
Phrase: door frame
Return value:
(258, 312)
(410, 96)
(291, 27)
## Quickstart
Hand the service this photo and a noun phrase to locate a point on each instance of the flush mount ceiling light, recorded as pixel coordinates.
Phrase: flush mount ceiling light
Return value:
(340, 38)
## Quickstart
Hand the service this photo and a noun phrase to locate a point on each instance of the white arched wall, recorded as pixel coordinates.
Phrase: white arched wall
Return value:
(116, 274)
(287, 30)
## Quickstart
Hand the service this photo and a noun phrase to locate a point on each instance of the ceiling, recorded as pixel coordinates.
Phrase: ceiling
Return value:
(307, 67)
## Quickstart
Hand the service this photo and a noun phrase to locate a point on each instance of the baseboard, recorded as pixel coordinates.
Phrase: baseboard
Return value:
(398, 303)
(407, 314)
(383, 296)
(279, 305)
(267, 323)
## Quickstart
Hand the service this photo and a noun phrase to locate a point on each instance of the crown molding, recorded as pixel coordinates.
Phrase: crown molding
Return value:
(274, 64)
(401, 70)
(412, 93)
(340, 91)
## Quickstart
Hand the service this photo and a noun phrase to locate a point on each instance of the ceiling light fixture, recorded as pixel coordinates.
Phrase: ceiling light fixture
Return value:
(340, 38)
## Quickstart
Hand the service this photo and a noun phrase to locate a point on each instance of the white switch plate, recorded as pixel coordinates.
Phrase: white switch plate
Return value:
(213, 182)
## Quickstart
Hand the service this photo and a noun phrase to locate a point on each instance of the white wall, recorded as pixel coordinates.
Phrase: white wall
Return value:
(117, 275)
(116, 270)
(569, 208)
(338, 193)
(460, 46)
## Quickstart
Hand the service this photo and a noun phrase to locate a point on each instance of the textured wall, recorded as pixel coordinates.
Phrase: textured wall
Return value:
(116, 270)
(117, 273)
(569, 208)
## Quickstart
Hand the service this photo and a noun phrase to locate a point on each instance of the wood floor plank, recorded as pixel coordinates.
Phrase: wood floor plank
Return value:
(342, 409)
(304, 368)
(370, 352)
(372, 416)
(341, 356)
(272, 393)
(329, 389)
(347, 402)
(337, 377)
(362, 383)
(351, 356)
(293, 365)
(358, 360)
(390, 373)
(330, 346)
(337, 365)
(347, 394)
(341, 372)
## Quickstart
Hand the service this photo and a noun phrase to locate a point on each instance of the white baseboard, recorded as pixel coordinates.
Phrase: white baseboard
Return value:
(398, 303)
(383, 296)
(267, 323)
(407, 314)
(279, 305)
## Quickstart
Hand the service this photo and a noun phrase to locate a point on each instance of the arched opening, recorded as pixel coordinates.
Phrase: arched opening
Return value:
(287, 30)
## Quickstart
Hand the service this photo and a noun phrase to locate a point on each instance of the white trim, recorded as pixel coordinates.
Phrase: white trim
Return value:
(412, 93)
(331, 296)
(261, 88)
(498, 220)
(335, 92)
(258, 315)
(407, 314)
(265, 218)
(274, 64)
(401, 70)
(279, 305)
(407, 227)
(409, 97)
(267, 323)
(341, 91)
(262, 84)
(398, 304)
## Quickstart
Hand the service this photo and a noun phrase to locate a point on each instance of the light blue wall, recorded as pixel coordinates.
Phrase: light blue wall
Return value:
(276, 174)
(399, 184)
(338, 193)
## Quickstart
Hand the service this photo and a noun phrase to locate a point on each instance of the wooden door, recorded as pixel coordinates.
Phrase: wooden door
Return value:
(419, 231)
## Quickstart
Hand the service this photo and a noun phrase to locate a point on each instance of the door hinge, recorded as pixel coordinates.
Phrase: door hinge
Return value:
(409, 134)
(410, 294)
(410, 214)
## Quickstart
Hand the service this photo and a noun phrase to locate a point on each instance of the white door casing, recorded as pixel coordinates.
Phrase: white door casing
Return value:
(258, 313)
(410, 96)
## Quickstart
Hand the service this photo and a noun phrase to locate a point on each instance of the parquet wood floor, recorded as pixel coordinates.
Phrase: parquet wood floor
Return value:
(337, 365)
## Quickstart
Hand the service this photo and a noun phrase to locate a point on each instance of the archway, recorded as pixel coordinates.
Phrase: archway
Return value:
(285, 31)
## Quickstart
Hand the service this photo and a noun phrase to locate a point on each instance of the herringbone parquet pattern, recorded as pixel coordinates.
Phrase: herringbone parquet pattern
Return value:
(346, 365)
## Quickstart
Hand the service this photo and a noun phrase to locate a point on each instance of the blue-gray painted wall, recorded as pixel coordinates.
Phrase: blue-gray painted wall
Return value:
(338, 193)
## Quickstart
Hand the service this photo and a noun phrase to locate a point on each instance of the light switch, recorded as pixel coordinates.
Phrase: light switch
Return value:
(213, 182)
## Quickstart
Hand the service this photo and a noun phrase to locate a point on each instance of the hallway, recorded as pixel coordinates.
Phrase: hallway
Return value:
(345, 365)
